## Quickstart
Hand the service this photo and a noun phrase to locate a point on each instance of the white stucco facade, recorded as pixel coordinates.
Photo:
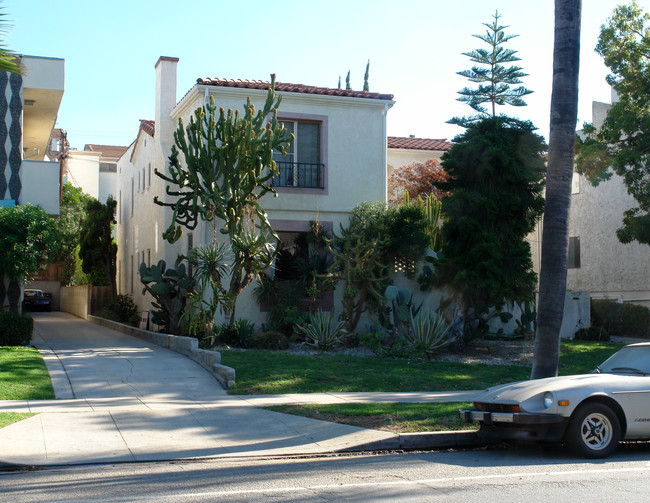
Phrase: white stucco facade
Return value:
(608, 268)
(352, 152)
(93, 172)
(83, 171)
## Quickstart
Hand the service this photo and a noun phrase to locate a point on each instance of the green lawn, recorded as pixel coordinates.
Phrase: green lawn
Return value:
(262, 372)
(23, 376)
(395, 417)
(270, 372)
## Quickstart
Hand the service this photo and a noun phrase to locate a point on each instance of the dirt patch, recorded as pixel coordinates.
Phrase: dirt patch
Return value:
(518, 352)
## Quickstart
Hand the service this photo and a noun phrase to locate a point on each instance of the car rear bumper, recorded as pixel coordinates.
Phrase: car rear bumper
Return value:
(517, 425)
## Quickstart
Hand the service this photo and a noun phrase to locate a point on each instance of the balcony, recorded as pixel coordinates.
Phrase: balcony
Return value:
(300, 175)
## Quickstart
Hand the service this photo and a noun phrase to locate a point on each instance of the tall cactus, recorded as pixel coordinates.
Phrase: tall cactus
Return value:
(433, 210)
(225, 168)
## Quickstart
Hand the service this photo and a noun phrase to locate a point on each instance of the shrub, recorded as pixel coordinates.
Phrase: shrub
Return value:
(121, 309)
(592, 334)
(625, 320)
(239, 334)
(386, 344)
(284, 305)
(271, 340)
(15, 329)
(323, 331)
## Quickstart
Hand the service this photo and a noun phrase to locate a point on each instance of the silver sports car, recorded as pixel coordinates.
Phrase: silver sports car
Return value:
(590, 412)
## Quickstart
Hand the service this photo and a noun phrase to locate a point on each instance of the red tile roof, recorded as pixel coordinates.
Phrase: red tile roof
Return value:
(293, 88)
(148, 126)
(106, 150)
(419, 143)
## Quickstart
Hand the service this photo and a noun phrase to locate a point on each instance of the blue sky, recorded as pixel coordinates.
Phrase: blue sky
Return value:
(414, 48)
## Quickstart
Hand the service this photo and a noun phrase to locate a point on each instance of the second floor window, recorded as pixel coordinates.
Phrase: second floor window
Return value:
(301, 166)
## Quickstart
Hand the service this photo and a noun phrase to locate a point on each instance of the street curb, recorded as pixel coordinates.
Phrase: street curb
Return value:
(422, 441)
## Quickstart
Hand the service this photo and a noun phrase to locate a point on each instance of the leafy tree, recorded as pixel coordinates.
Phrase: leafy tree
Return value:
(622, 144)
(496, 173)
(97, 249)
(73, 210)
(227, 167)
(555, 236)
(494, 78)
(417, 179)
(366, 84)
(28, 240)
(8, 60)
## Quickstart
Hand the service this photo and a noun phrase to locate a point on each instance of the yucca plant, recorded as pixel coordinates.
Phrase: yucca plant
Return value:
(323, 330)
(428, 331)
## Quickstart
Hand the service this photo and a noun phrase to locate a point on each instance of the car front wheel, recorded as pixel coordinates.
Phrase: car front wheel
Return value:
(594, 430)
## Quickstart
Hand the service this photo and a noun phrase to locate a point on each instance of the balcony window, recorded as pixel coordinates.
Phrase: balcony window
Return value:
(301, 166)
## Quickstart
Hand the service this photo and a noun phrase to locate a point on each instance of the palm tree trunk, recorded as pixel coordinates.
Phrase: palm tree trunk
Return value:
(564, 113)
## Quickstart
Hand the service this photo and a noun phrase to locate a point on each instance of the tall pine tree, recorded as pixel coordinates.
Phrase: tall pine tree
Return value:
(496, 178)
(494, 78)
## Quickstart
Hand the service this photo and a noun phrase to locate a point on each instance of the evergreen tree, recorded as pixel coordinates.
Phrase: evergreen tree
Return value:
(494, 194)
(366, 85)
(494, 79)
(339, 86)
(73, 210)
(347, 81)
(97, 249)
(496, 172)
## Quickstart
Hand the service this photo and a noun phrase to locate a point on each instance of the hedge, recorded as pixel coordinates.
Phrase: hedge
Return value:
(15, 329)
(624, 320)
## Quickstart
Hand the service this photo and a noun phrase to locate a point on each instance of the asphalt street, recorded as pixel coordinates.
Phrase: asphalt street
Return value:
(536, 474)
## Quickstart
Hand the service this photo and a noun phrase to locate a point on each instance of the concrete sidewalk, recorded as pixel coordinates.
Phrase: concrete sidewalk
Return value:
(120, 399)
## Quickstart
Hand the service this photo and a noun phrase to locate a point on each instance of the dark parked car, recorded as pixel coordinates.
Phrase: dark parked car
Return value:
(37, 300)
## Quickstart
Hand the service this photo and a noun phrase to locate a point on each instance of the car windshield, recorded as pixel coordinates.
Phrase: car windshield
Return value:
(629, 360)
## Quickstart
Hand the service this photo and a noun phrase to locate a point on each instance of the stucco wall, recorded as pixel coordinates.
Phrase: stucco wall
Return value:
(83, 171)
(107, 186)
(34, 175)
(76, 300)
(608, 268)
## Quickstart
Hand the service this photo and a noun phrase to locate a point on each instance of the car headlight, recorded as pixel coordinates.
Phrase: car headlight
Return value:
(548, 399)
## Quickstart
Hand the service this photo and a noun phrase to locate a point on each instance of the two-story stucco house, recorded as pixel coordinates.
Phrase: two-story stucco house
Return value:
(338, 160)
(29, 105)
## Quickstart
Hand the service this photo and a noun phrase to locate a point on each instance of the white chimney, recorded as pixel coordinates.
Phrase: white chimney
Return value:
(165, 98)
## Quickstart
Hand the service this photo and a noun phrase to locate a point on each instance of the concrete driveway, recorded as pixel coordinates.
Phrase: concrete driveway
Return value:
(124, 399)
(103, 363)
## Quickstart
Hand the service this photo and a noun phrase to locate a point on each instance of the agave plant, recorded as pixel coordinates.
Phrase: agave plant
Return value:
(428, 331)
(323, 330)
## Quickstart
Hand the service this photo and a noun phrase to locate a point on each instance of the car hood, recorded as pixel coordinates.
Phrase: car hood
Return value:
(518, 391)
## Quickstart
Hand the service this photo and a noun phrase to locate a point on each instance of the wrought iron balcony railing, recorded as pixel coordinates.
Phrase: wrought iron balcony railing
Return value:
(299, 174)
